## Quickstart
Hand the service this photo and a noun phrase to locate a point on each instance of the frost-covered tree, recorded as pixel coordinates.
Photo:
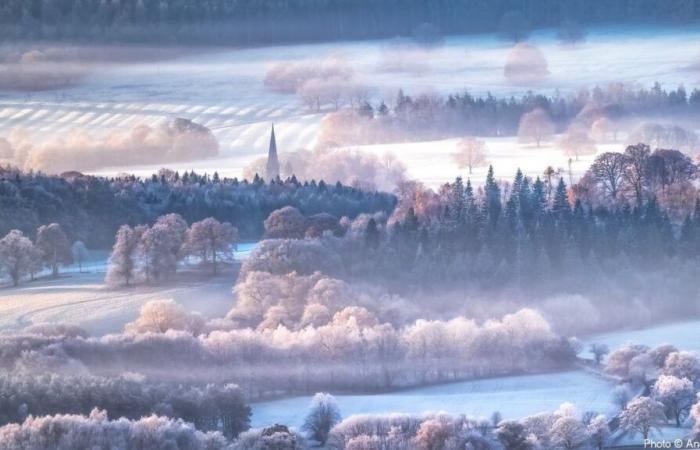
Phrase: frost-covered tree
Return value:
(642, 415)
(123, 260)
(209, 237)
(683, 365)
(161, 246)
(470, 153)
(275, 437)
(577, 141)
(159, 316)
(433, 434)
(176, 227)
(695, 417)
(97, 431)
(676, 394)
(16, 255)
(512, 436)
(54, 246)
(322, 416)
(599, 431)
(535, 127)
(286, 223)
(618, 362)
(80, 253)
(569, 433)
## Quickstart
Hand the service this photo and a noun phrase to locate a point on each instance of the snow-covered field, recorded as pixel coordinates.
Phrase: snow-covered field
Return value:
(223, 90)
(81, 298)
(514, 397)
(684, 335)
(432, 162)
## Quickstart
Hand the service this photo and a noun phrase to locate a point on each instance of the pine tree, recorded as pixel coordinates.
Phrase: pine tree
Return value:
(492, 199)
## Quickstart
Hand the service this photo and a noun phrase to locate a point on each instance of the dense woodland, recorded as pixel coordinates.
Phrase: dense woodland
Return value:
(256, 21)
(91, 209)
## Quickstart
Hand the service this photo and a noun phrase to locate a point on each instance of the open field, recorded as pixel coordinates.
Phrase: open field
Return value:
(81, 298)
(223, 90)
(514, 397)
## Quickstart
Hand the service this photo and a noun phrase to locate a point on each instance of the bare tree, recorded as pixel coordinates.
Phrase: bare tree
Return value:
(636, 172)
(577, 142)
(470, 153)
(535, 126)
(608, 170)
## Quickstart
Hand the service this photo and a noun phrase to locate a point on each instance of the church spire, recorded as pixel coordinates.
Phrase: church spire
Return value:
(273, 164)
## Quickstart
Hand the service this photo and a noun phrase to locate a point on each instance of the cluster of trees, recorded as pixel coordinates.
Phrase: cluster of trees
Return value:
(20, 257)
(91, 209)
(353, 351)
(96, 430)
(629, 207)
(565, 428)
(154, 253)
(671, 379)
(212, 407)
(638, 176)
(259, 21)
(601, 113)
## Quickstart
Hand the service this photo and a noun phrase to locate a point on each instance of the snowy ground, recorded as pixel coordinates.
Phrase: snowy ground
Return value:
(514, 397)
(223, 90)
(432, 162)
(684, 335)
(81, 298)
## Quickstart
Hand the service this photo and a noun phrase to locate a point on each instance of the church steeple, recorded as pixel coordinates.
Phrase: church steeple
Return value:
(273, 163)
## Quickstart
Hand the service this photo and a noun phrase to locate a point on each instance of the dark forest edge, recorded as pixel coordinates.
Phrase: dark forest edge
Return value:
(91, 208)
(260, 22)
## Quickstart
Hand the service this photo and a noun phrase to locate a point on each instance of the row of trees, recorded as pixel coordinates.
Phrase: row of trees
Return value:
(670, 377)
(258, 21)
(20, 257)
(628, 205)
(154, 253)
(97, 430)
(91, 209)
(354, 351)
(565, 428)
(600, 113)
(209, 407)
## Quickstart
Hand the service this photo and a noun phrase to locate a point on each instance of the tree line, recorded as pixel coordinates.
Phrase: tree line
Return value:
(599, 114)
(91, 209)
(144, 253)
(20, 257)
(632, 212)
(257, 21)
